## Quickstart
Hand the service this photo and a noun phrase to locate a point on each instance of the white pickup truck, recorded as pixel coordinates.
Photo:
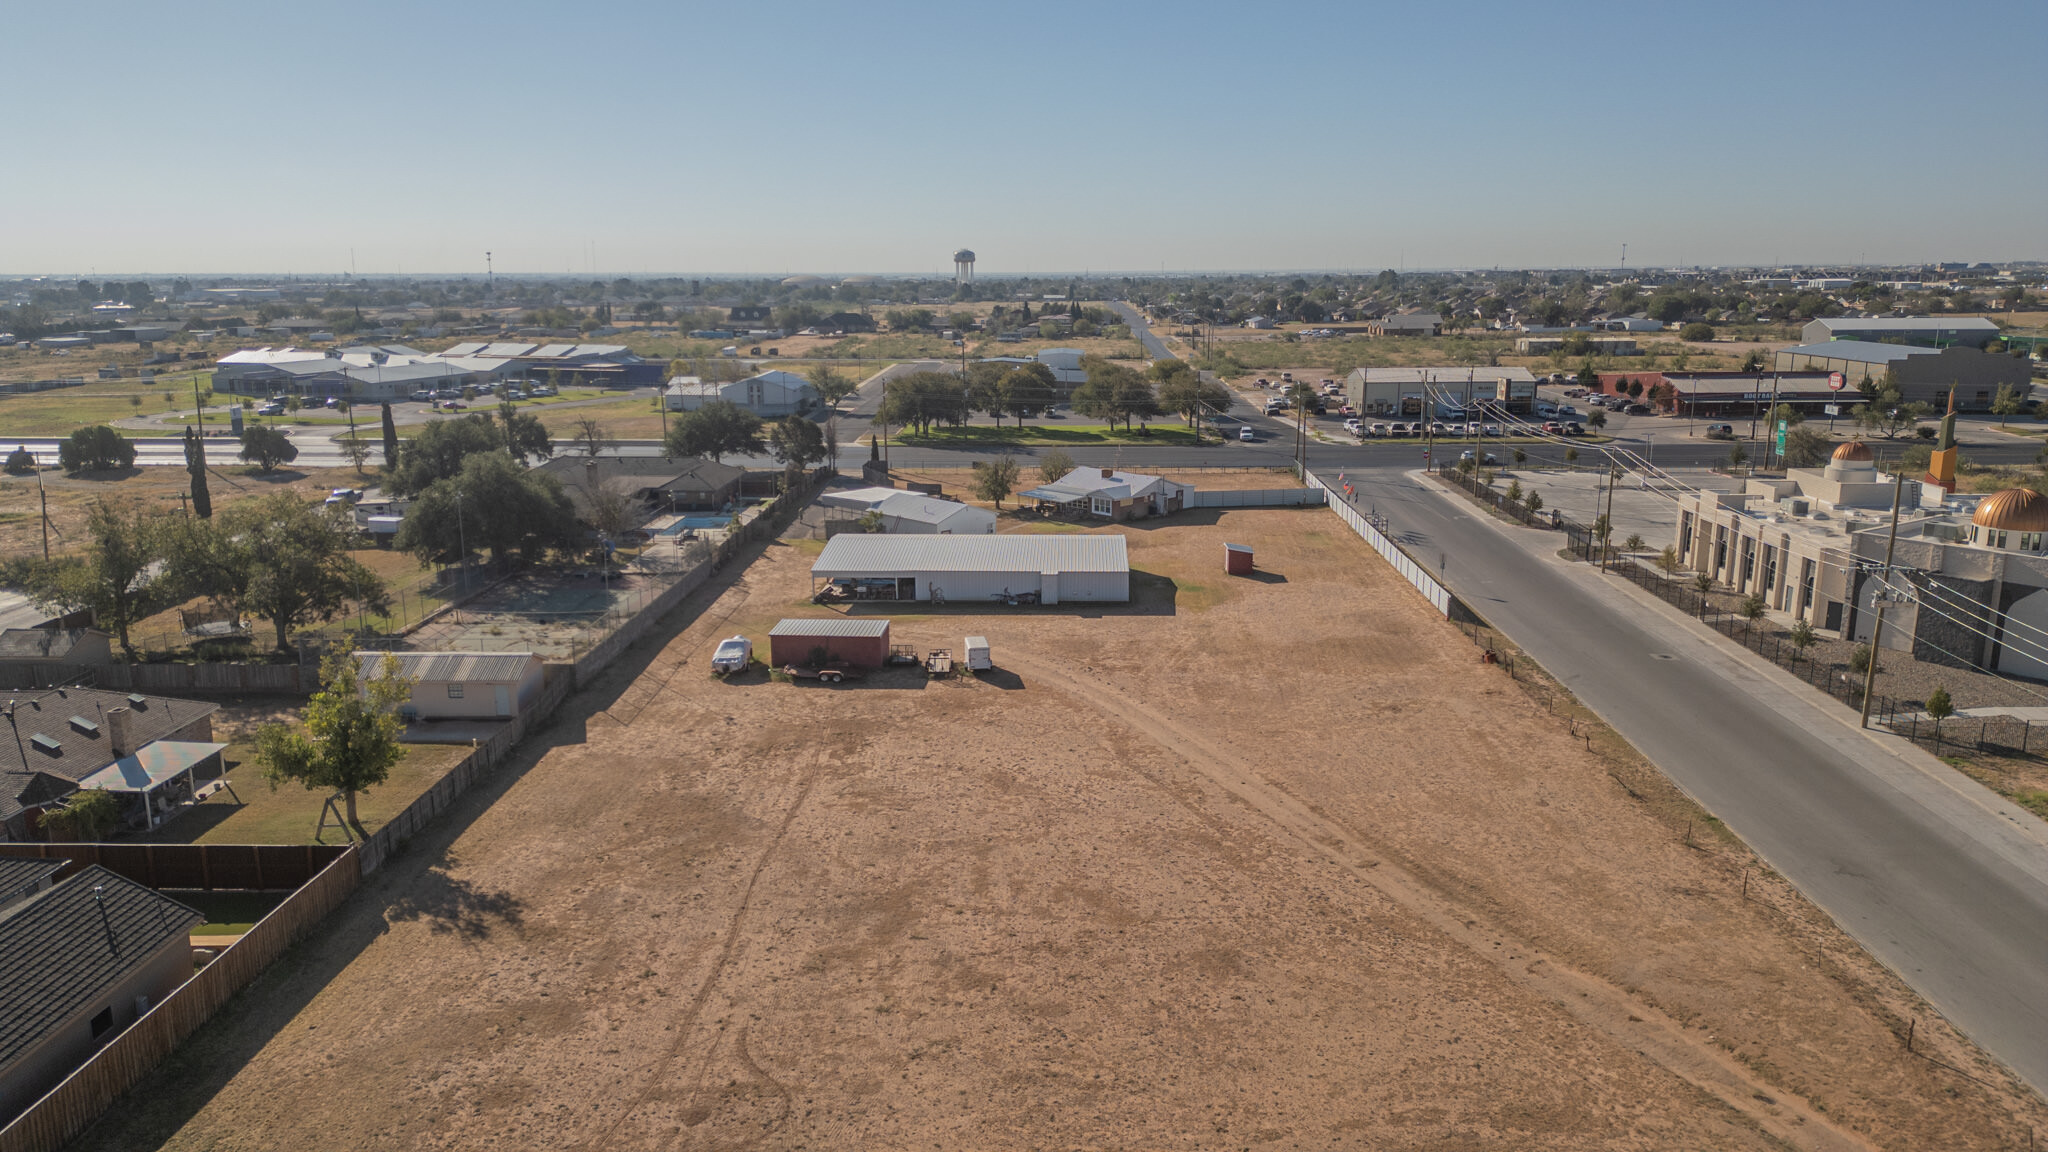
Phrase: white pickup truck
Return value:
(732, 655)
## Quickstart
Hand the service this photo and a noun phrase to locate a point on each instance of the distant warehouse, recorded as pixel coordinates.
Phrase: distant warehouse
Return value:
(1069, 568)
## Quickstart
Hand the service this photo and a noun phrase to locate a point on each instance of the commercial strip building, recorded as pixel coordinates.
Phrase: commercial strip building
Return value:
(1402, 391)
(375, 373)
(1924, 375)
(1972, 571)
(1067, 568)
(1712, 395)
(1921, 331)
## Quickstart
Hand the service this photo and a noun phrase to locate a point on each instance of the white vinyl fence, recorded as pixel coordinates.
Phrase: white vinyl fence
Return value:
(1414, 573)
(1255, 497)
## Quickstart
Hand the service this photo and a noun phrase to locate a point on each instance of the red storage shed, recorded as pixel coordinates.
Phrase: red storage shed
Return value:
(1237, 560)
(861, 643)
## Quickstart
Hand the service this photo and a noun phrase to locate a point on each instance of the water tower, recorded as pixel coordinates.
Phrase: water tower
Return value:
(963, 266)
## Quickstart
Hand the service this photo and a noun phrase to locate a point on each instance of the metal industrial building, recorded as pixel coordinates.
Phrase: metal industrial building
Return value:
(1920, 374)
(1066, 568)
(1924, 331)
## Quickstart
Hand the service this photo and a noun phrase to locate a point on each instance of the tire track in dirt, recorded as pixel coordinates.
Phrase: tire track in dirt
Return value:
(681, 1112)
(1592, 1001)
(644, 691)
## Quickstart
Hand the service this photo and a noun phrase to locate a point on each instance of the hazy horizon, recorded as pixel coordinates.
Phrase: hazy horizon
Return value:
(1181, 139)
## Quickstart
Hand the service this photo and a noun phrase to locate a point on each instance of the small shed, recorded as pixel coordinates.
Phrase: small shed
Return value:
(463, 685)
(861, 643)
(1237, 559)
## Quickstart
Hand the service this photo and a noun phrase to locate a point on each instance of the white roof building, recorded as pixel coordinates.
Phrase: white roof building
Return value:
(1074, 567)
(1114, 495)
(914, 512)
(771, 393)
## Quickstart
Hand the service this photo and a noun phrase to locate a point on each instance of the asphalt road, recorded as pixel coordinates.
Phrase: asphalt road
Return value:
(1941, 880)
(1154, 346)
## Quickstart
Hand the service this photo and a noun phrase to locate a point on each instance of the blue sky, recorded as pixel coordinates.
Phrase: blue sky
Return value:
(638, 138)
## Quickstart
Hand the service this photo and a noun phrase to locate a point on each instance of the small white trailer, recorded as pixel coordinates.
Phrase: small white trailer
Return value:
(976, 652)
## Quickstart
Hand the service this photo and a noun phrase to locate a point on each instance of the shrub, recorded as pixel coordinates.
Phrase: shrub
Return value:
(1696, 332)
(1859, 660)
(21, 462)
(94, 448)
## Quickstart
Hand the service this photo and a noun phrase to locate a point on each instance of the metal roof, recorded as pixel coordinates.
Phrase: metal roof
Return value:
(1443, 375)
(507, 349)
(467, 349)
(1861, 351)
(1908, 324)
(923, 509)
(861, 554)
(467, 666)
(830, 626)
(67, 945)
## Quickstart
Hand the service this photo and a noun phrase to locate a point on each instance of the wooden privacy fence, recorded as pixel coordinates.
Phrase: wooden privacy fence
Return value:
(78, 1100)
(200, 867)
(1431, 588)
(288, 679)
(1257, 498)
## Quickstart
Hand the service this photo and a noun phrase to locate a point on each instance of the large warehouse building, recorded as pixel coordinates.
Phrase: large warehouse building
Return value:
(1065, 568)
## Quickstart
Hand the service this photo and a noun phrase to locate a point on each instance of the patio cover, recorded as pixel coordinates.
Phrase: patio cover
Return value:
(1062, 494)
(151, 767)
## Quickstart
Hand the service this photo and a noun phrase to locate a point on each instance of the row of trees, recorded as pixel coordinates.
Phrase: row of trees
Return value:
(275, 558)
(1114, 393)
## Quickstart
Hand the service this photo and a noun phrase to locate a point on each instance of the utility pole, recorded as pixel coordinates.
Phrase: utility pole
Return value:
(462, 539)
(1877, 632)
(45, 498)
(1613, 482)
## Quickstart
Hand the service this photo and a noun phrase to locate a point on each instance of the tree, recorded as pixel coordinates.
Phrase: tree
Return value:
(118, 576)
(1587, 377)
(2009, 402)
(95, 448)
(491, 503)
(1737, 456)
(1534, 503)
(994, 480)
(1514, 492)
(195, 467)
(351, 738)
(355, 450)
(21, 462)
(1183, 392)
(1521, 456)
(590, 434)
(1597, 418)
(525, 436)
(1702, 583)
(1939, 708)
(832, 443)
(1634, 543)
(1752, 610)
(1802, 637)
(921, 400)
(86, 815)
(278, 558)
(1571, 455)
(439, 450)
(1697, 332)
(1054, 464)
(1029, 389)
(390, 439)
(1805, 448)
(832, 387)
(796, 443)
(266, 447)
(717, 429)
(1667, 561)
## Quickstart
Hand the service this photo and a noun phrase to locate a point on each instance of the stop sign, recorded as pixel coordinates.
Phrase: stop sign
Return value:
(1836, 380)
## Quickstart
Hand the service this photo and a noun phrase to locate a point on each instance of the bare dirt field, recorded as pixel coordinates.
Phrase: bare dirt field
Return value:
(1265, 862)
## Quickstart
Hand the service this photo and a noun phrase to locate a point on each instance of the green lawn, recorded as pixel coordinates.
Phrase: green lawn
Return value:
(1052, 434)
(60, 411)
(229, 913)
(257, 814)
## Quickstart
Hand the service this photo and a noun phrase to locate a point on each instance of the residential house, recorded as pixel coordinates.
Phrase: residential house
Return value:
(152, 751)
(653, 484)
(1412, 322)
(914, 512)
(1108, 494)
(80, 960)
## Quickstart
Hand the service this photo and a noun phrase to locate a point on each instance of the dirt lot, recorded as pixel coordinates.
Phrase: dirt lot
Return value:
(1268, 862)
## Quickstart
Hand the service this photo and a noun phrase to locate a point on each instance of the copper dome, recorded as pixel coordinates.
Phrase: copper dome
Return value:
(1854, 450)
(2013, 510)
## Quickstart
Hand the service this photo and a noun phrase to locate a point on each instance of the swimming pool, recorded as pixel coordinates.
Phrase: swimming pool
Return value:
(697, 522)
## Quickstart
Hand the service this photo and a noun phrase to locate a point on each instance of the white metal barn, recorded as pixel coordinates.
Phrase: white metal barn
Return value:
(1066, 568)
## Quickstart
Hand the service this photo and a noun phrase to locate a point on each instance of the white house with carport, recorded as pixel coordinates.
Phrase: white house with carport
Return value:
(1113, 495)
(773, 393)
(1070, 568)
(462, 685)
(914, 512)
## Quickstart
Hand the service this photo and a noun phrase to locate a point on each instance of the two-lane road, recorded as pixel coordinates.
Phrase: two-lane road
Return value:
(1940, 879)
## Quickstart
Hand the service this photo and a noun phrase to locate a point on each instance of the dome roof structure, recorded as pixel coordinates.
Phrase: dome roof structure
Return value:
(2013, 510)
(1854, 450)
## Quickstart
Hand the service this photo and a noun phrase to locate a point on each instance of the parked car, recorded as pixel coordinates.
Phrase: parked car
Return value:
(1491, 429)
(1377, 428)
(1354, 427)
(424, 395)
(1552, 427)
(540, 390)
(447, 393)
(451, 405)
(1475, 428)
(271, 409)
(732, 655)
(1639, 410)
(514, 394)
(1574, 428)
